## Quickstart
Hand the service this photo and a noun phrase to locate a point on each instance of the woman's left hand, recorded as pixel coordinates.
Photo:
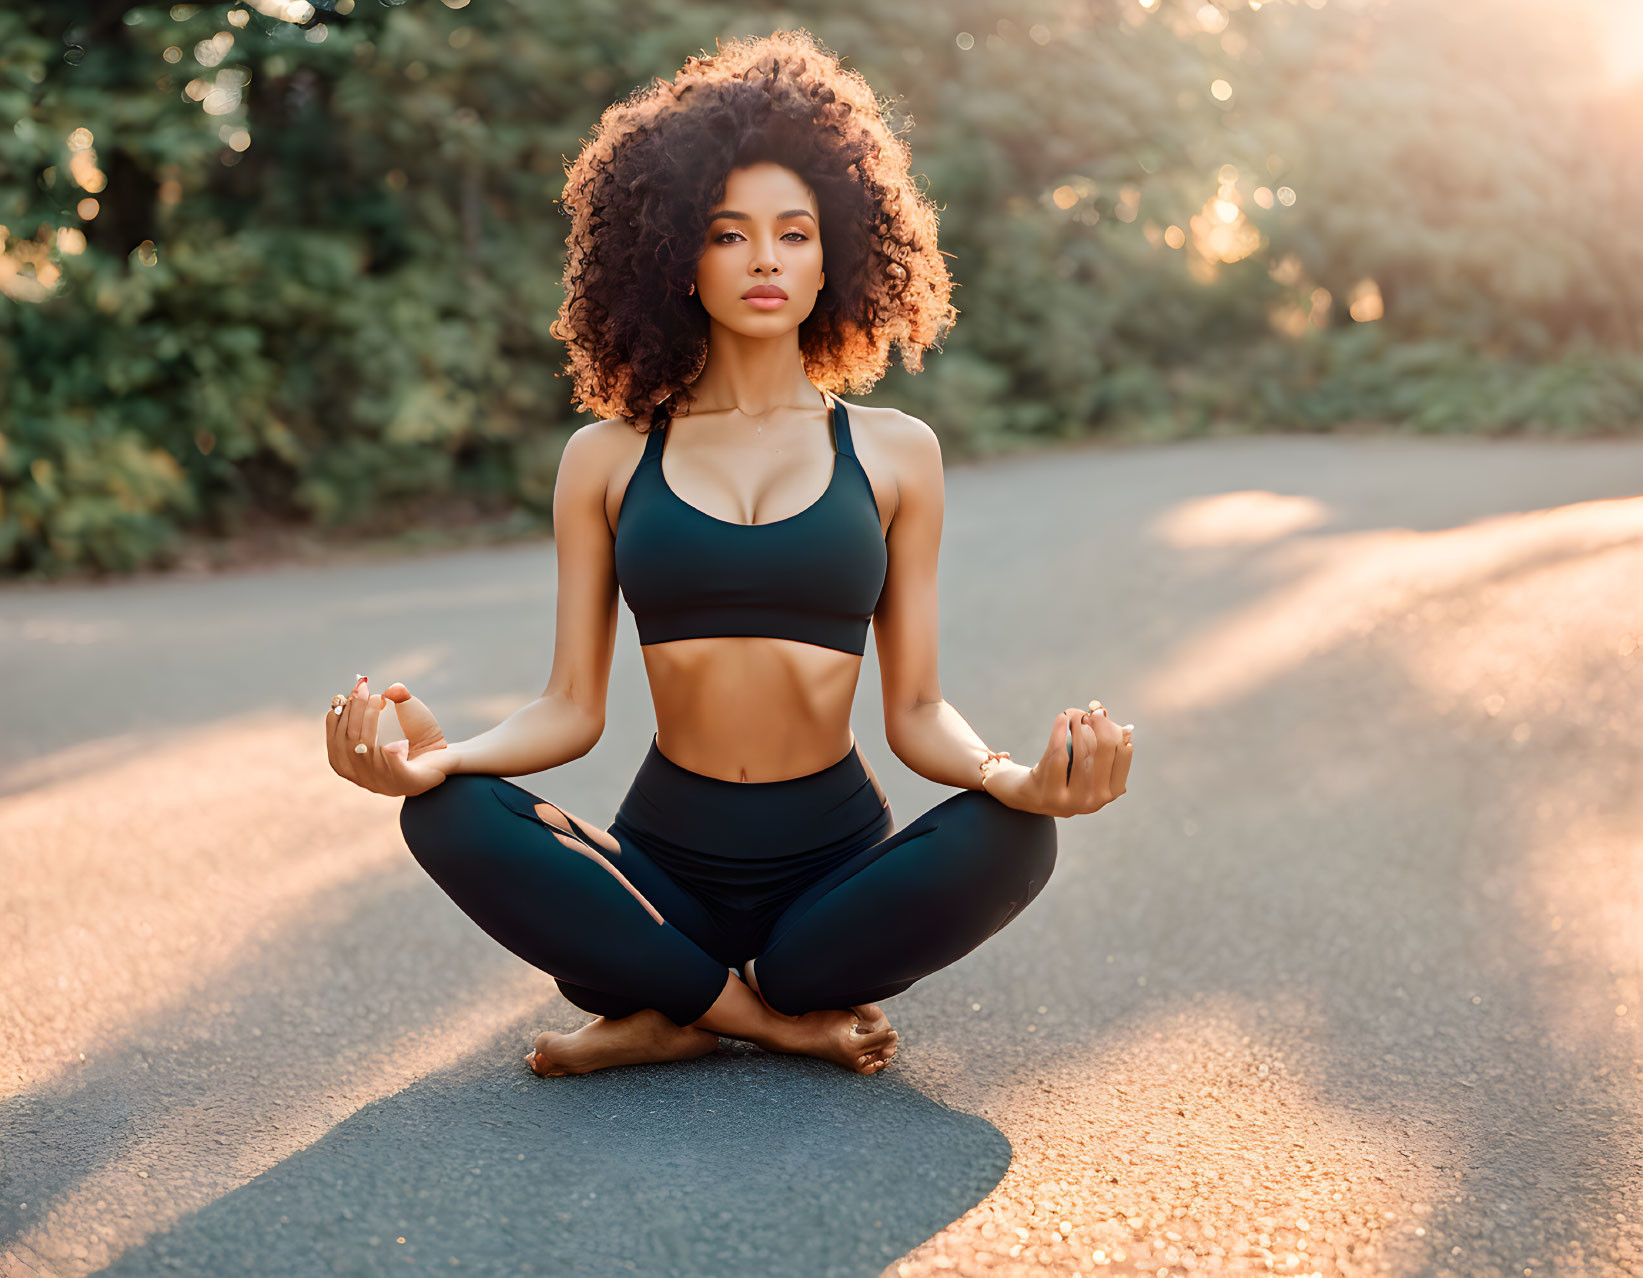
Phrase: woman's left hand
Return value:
(1085, 766)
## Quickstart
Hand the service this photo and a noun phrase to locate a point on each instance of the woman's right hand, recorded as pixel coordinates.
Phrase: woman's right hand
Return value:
(418, 763)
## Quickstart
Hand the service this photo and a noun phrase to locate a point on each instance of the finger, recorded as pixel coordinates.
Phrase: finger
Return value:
(416, 721)
(368, 732)
(1107, 733)
(1078, 747)
(395, 761)
(1121, 764)
(358, 763)
(353, 718)
(340, 748)
(333, 722)
(1066, 723)
(1089, 752)
(399, 696)
(369, 763)
(1109, 740)
(336, 723)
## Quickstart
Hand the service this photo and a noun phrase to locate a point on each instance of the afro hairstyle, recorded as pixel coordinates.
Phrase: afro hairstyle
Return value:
(640, 191)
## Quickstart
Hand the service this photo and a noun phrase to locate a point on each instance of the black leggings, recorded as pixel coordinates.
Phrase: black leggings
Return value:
(697, 875)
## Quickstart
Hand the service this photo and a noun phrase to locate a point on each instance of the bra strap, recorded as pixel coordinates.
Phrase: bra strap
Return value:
(841, 428)
(653, 443)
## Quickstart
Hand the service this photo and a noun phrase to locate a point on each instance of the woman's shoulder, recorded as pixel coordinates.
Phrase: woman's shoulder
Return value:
(608, 428)
(902, 442)
(610, 437)
(597, 451)
(889, 423)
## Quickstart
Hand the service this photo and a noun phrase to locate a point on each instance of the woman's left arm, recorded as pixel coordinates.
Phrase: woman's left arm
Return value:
(921, 727)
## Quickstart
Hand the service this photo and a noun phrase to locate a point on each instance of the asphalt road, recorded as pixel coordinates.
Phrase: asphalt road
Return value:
(1348, 983)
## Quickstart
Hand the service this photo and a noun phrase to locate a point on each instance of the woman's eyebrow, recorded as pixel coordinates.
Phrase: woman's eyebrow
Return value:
(780, 217)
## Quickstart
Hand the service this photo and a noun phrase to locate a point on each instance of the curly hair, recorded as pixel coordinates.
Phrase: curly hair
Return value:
(640, 191)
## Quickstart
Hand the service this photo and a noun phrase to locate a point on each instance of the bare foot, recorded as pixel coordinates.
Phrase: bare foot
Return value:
(871, 1017)
(868, 1042)
(833, 1035)
(645, 1036)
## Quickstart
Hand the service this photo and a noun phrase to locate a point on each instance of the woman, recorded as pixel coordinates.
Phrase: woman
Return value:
(744, 240)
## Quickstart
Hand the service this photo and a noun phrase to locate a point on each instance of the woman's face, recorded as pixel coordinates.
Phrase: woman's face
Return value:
(765, 234)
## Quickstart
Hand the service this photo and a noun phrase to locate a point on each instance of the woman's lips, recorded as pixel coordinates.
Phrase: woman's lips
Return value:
(765, 303)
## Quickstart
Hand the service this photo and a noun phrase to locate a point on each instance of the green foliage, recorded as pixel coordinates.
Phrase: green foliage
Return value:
(318, 282)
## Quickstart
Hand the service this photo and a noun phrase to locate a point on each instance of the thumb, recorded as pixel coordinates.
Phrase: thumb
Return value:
(397, 749)
(415, 719)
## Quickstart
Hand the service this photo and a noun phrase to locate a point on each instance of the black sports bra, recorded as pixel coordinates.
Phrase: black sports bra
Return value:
(814, 576)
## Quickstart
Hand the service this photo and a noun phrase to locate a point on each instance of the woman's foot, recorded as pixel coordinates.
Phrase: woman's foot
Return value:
(645, 1036)
(871, 1017)
(867, 1045)
(840, 1036)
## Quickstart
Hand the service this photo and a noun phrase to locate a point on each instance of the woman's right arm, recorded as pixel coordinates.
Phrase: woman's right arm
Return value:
(567, 720)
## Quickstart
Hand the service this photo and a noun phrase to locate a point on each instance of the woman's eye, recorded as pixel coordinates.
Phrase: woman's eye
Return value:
(723, 237)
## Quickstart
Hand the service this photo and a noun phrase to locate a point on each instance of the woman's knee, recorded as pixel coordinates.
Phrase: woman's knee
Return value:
(436, 819)
(1024, 842)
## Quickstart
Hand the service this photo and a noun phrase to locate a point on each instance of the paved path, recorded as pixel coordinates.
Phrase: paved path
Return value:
(1348, 983)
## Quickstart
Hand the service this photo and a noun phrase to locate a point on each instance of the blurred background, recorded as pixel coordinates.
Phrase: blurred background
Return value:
(1300, 367)
(269, 271)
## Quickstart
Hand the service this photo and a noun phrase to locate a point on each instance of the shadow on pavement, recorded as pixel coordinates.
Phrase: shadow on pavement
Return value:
(735, 1163)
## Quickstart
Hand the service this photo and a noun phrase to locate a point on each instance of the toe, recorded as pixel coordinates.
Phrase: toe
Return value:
(875, 1042)
(871, 1015)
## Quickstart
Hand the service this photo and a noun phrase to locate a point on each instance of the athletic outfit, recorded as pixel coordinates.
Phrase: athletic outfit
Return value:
(807, 874)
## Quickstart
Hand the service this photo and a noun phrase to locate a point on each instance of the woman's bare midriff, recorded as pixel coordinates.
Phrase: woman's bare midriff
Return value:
(749, 707)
